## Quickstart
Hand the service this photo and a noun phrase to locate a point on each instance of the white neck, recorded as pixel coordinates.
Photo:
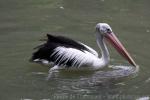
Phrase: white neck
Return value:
(104, 60)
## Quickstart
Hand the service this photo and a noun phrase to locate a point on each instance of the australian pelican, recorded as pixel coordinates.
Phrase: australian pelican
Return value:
(65, 53)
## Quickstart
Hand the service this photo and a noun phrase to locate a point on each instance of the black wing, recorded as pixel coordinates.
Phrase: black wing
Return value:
(66, 42)
(45, 50)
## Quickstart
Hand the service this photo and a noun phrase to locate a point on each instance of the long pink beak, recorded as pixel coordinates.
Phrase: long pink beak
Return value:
(119, 47)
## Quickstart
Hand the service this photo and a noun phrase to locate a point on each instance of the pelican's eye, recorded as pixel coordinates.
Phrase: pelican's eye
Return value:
(108, 30)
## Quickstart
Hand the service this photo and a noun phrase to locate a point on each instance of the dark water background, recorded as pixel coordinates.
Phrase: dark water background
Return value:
(24, 22)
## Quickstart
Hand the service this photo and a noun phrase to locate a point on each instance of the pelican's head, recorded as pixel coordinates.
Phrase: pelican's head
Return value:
(103, 28)
(106, 32)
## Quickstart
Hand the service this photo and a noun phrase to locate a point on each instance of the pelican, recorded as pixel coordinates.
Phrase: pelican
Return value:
(67, 53)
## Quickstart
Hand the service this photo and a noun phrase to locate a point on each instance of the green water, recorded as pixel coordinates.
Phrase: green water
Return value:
(24, 22)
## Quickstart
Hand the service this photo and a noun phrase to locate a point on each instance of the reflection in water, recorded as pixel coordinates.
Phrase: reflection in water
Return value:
(90, 83)
(144, 98)
(97, 77)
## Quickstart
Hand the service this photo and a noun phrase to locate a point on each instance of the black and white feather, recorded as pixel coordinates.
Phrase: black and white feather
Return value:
(62, 51)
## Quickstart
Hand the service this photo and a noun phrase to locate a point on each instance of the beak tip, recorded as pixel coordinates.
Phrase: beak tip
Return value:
(134, 64)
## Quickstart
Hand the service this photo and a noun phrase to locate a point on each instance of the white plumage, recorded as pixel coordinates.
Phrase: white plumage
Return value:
(79, 57)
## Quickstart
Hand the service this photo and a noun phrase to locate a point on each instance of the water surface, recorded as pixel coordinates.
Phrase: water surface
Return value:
(24, 22)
